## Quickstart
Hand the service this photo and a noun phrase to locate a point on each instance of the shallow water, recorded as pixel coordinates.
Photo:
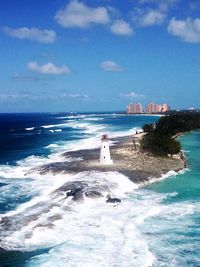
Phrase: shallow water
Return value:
(175, 231)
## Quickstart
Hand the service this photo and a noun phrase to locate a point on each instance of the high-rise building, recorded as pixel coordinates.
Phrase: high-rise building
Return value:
(156, 108)
(151, 108)
(134, 108)
(163, 108)
(137, 108)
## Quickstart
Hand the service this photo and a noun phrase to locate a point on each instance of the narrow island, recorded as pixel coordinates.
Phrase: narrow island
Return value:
(143, 156)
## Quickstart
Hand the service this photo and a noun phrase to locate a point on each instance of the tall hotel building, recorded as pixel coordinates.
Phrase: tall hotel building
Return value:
(151, 108)
(155, 108)
(163, 108)
(134, 108)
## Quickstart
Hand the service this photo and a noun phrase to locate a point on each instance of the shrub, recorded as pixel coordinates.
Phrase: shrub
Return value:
(147, 128)
(159, 138)
(160, 144)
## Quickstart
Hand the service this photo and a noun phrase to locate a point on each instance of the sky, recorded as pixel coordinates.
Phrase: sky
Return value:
(98, 55)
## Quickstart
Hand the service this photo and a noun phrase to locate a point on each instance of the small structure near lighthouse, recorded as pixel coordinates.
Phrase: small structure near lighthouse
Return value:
(105, 151)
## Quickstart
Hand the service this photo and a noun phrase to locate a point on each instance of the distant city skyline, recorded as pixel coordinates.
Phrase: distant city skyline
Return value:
(138, 108)
(86, 55)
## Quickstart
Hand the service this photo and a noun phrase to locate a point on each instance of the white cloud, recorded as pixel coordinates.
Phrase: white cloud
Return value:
(188, 30)
(162, 4)
(13, 96)
(48, 68)
(78, 96)
(121, 27)
(28, 77)
(33, 34)
(70, 95)
(111, 66)
(151, 17)
(132, 95)
(77, 14)
(23, 77)
(165, 5)
(152, 12)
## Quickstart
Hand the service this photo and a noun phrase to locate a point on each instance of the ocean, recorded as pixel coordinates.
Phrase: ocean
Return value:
(154, 225)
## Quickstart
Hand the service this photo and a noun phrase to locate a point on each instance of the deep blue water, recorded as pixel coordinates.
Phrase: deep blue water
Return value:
(156, 225)
(18, 140)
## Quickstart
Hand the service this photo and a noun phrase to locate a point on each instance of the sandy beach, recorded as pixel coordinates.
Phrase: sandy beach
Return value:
(127, 159)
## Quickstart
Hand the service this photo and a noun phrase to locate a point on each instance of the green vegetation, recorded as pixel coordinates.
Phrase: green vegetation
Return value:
(159, 138)
(148, 128)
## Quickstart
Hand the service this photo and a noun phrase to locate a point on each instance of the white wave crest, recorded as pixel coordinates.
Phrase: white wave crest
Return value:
(30, 129)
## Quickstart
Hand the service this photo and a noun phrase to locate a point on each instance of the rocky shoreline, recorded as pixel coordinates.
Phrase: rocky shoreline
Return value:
(128, 159)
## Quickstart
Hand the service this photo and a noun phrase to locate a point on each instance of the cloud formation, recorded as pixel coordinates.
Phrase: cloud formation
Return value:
(132, 95)
(14, 96)
(23, 77)
(27, 77)
(152, 12)
(121, 27)
(79, 15)
(188, 30)
(161, 4)
(48, 68)
(111, 66)
(151, 17)
(33, 34)
(78, 96)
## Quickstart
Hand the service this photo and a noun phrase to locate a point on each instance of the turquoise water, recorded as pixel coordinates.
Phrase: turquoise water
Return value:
(175, 230)
(187, 185)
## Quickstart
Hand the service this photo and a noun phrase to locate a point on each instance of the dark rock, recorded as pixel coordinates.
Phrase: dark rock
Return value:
(112, 199)
(78, 196)
(73, 192)
(93, 194)
(78, 189)
(72, 186)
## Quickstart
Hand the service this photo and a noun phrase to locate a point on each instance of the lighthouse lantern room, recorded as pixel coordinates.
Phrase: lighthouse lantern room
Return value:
(105, 151)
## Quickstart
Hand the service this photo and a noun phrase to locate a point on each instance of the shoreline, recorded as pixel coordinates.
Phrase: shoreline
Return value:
(128, 160)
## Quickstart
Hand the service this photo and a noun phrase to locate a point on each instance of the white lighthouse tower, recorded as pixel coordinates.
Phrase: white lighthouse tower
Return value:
(105, 151)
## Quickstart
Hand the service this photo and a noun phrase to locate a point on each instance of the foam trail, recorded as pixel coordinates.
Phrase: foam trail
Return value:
(55, 125)
(30, 129)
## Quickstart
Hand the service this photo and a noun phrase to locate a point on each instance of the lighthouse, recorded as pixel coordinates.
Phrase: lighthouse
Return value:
(105, 151)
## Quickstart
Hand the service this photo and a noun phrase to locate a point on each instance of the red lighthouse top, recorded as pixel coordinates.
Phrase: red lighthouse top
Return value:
(104, 137)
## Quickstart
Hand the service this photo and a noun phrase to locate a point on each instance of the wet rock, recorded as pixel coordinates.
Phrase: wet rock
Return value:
(79, 196)
(78, 189)
(73, 192)
(112, 199)
(93, 194)
(72, 187)
(76, 192)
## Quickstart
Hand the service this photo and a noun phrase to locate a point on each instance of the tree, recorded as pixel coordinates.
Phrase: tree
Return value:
(147, 128)
(159, 138)
(174, 147)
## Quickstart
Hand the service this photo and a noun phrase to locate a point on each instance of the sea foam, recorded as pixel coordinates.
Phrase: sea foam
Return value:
(74, 229)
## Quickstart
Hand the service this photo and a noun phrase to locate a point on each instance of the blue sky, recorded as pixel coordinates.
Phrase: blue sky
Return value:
(98, 55)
